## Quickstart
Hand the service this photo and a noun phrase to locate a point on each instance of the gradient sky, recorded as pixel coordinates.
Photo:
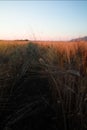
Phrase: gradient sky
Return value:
(43, 20)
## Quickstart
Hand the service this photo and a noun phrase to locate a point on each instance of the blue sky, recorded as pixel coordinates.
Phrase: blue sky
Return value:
(43, 20)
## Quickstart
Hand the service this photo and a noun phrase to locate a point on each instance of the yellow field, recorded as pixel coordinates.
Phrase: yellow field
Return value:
(62, 64)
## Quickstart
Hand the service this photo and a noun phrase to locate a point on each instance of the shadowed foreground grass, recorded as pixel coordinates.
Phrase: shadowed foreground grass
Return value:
(43, 86)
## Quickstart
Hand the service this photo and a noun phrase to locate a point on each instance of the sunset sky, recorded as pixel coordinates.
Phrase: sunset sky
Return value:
(43, 20)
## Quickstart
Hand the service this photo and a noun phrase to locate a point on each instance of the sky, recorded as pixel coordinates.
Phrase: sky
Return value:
(43, 20)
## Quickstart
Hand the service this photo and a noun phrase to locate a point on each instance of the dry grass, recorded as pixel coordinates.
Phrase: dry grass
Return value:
(66, 65)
